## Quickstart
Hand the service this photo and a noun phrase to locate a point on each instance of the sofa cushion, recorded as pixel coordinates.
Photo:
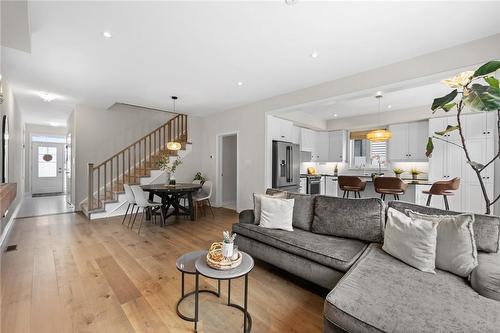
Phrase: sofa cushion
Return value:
(381, 293)
(335, 252)
(486, 227)
(361, 219)
(485, 278)
(303, 210)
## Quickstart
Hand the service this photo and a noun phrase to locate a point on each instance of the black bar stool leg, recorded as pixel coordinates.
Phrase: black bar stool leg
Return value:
(429, 197)
(446, 205)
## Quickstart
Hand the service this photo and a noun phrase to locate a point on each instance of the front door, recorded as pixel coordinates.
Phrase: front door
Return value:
(47, 168)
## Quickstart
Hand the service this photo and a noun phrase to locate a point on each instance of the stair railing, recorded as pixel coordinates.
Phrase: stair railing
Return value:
(132, 162)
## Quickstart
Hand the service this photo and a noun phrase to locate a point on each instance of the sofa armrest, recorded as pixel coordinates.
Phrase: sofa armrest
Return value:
(485, 278)
(247, 216)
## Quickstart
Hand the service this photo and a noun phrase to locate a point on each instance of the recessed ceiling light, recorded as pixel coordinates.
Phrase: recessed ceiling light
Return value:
(47, 97)
(335, 115)
(239, 83)
(314, 55)
(378, 94)
(389, 106)
(106, 34)
(291, 2)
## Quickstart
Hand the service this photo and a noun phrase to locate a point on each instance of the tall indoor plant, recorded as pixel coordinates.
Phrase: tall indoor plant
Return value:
(478, 90)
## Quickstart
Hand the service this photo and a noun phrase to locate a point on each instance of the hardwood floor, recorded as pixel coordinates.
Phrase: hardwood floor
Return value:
(70, 274)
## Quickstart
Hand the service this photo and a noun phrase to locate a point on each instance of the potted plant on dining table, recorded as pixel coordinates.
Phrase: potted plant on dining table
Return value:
(165, 164)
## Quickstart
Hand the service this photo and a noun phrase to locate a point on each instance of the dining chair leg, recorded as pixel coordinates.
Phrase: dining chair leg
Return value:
(131, 215)
(395, 197)
(429, 197)
(162, 219)
(348, 194)
(124, 217)
(211, 210)
(142, 220)
(446, 205)
(343, 196)
(135, 216)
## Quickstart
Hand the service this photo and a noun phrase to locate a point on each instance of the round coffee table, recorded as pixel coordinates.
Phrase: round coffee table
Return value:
(242, 270)
(185, 264)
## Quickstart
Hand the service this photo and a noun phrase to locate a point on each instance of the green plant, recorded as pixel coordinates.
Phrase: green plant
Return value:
(398, 171)
(415, 172)
(200, 177)
(165, 164)
(478, 90)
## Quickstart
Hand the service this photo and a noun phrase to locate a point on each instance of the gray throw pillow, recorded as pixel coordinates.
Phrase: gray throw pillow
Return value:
(485, 278)
(257, 199)
(303, 210)
(412, 241)
(456, 248)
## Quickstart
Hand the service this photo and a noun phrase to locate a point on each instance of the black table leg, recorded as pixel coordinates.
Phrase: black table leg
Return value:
(228, 292)
(196, 295)
(190, 205)
(245, 305)
(148, 212)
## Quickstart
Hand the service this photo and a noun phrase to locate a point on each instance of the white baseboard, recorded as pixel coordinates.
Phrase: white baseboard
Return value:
(10, 224)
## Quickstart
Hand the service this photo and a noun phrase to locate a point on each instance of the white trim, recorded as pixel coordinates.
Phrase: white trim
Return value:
(218, 165)
(9, 225)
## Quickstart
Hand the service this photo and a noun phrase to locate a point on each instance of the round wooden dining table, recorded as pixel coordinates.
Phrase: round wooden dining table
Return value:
(171, 196)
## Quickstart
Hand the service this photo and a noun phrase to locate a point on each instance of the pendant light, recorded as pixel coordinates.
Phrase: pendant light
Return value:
(379, 135)
(173, 145)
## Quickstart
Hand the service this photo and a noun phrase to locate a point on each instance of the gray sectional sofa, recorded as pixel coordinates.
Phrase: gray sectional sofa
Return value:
(336, 243)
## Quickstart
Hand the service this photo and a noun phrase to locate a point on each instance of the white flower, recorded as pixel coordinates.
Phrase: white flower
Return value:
(460, 80)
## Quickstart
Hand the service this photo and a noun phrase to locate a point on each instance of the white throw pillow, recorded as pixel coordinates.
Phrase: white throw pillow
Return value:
(276, 213)
(412, 241)
(456, 247)
(257, 199)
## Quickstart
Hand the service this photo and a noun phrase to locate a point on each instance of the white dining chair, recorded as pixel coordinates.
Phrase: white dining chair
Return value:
(142, 202)
(129, 196)
(203, 196)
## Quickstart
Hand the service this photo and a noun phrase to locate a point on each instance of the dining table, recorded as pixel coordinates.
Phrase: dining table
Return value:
(171, 196)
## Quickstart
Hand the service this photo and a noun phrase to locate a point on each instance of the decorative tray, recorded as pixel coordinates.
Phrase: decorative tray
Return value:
(216, 260)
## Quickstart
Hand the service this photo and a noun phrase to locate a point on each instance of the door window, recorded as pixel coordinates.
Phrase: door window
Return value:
(47, 162)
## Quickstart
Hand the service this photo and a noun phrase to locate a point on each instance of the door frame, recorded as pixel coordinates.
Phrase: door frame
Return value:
(218, 168)
(33, 162)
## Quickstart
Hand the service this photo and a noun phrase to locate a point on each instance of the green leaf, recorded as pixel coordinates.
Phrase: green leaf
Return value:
(442, 101)
(449, 106)
(492, 81)
(448, 129)
(429, 148)
(482, 98)
(487, 68)
(476, 165)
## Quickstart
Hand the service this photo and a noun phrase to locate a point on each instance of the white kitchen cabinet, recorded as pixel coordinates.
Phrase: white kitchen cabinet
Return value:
(307, 140)
(321, 147)
(475, 200)
(479, 125)
(322, 186)
(295, 134)
(281, 129)
(337, 146)
(331, 186)
(408, 141)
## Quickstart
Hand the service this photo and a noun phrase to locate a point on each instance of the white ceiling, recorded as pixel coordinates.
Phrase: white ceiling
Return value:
(200, 50)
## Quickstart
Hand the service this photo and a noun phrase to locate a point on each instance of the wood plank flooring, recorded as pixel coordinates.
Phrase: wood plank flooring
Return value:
(70, 274)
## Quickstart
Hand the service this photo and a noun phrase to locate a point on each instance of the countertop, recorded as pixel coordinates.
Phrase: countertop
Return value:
(369, 179)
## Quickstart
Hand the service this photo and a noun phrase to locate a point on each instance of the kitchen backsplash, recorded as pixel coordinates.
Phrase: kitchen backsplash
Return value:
(328, 168)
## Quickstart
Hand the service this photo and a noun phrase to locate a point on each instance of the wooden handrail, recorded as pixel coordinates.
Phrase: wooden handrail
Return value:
(136, 161)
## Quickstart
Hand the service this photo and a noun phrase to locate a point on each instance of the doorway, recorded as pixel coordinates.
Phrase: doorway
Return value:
(227, 189)
(47, 168)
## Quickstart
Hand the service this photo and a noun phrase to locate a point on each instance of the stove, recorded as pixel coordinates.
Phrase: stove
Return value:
(313, 184)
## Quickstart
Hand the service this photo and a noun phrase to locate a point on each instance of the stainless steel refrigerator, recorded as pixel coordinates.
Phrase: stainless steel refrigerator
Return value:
(286, 166)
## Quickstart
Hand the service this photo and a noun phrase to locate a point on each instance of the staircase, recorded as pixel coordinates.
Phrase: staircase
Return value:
(134, 165)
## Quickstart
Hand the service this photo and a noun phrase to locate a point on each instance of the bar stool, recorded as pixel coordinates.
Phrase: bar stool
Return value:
(444, 188)
(351, 184)
(389, 185)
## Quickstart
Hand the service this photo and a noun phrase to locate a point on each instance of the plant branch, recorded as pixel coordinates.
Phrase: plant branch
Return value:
(496, 199)
(451, 143)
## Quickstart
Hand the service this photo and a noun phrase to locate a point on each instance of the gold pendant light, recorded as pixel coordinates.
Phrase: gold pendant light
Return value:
(174, 145)
(379, 135)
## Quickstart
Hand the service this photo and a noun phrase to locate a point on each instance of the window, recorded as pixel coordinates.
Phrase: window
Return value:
(366, 154)
(47, 162)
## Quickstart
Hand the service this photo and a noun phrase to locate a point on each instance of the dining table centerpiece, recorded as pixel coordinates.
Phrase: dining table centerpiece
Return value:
(169, 166)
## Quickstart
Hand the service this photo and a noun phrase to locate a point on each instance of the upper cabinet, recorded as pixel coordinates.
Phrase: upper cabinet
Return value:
(307, 139)
(479, 125)
(321, 147)
(282, 130)
(337, 146)
(408, 141)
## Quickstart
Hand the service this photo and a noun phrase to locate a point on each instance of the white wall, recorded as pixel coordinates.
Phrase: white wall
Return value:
(16, 147)
(229, 168)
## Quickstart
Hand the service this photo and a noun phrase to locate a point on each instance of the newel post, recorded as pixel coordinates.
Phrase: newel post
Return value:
(90, 194)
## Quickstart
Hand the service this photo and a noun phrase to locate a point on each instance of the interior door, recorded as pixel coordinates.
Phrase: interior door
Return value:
(47, 168)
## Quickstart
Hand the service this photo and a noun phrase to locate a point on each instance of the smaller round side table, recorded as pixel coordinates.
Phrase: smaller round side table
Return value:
(185, 264)
(242, 270)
